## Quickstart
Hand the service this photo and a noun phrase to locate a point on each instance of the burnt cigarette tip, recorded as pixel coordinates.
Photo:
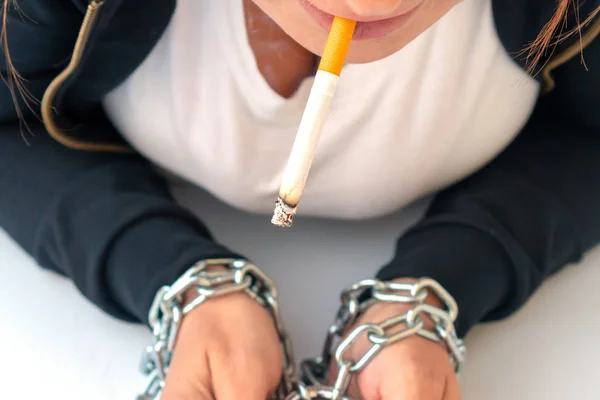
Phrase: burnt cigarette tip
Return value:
(284, 214)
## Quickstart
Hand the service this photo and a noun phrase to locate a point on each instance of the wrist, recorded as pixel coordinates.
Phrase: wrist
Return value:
(382, 311)
(427, 305)
(192, 293)
(432, 298)
(223, 304)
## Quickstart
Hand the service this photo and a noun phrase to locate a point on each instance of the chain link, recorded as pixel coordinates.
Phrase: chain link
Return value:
(168, 309)
(355, 300)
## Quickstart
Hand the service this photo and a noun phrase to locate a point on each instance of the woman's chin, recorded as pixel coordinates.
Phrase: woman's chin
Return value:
(360, 54)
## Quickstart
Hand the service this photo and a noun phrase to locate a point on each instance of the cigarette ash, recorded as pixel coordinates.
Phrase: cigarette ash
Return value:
(284, 214)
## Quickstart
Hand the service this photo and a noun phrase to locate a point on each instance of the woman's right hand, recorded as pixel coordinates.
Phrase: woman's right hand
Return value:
(227, 349)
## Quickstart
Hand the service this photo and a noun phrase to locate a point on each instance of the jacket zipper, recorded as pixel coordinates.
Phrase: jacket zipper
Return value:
(89, 21)
(587, 37)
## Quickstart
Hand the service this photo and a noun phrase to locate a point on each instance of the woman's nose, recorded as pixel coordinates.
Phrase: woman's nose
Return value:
(374, 8)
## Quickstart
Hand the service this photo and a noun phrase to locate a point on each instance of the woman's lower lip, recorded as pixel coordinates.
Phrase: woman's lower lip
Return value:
(364, 30)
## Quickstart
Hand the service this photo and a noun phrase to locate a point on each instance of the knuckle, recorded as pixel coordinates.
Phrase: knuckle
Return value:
(413, 374)
(219, 349)
(244, 363)
(250, 366)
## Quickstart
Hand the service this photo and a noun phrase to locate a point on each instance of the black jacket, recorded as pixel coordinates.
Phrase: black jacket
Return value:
(107, 220)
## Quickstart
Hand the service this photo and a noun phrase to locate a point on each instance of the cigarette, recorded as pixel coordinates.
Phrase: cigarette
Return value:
(313, 119)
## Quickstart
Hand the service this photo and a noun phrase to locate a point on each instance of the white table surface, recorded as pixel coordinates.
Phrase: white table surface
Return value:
(56, 345)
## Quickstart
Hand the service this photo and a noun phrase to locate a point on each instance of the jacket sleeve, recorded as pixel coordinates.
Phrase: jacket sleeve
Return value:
(107, 221)
(493, 238)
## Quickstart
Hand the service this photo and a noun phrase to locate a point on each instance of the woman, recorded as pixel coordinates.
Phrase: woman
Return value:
(486, 102)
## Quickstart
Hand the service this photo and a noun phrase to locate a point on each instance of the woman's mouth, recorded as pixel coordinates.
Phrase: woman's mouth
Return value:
(364, 29)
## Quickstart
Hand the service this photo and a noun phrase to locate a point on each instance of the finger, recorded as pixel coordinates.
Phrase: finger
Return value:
(188, 379)
(415, 372)
(189, 376)
(246, 366)
(241, 376)
(452, 389)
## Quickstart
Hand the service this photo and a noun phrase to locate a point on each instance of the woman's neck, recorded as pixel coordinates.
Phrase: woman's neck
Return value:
(281, 60)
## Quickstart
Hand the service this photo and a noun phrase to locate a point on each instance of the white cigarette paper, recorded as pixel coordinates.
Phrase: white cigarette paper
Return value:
(307, 139)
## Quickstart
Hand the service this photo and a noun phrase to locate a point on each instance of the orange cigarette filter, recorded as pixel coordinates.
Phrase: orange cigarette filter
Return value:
(337, 45)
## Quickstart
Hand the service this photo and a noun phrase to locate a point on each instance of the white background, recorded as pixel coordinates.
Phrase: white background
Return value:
(56, 345)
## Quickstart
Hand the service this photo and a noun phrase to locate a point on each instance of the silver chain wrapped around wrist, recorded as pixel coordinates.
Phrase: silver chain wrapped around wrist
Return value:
(168, 309)
(355, 300)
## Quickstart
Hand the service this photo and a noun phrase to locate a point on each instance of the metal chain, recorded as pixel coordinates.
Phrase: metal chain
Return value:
(168, 309)
(355, 300)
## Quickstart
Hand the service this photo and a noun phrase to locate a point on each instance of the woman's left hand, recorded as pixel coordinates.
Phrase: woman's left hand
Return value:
(414, 368)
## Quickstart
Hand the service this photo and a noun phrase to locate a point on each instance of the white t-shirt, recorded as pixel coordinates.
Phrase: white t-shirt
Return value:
(399, 128)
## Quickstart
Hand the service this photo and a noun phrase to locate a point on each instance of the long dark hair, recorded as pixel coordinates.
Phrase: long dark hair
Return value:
(12, 78)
